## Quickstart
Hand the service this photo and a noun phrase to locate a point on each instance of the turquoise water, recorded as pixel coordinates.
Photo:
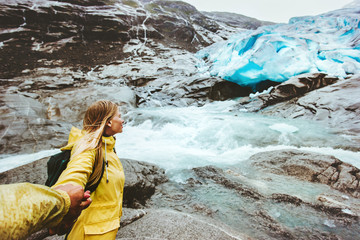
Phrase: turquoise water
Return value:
(183, 138)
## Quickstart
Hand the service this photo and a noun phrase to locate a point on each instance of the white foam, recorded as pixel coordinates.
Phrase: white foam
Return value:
(284, 128)
(183, 138)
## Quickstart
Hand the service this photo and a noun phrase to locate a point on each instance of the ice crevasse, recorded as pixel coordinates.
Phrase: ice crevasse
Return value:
(328, 43)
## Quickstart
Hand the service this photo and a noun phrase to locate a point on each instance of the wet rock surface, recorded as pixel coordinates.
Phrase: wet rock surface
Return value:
(311, 167)
(168, 224)
(271, 196)
(316, 97)
(297, 87)
(34, 172)
(294, 88)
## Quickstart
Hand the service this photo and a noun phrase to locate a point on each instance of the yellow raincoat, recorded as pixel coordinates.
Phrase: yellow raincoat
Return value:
(26, 208)
(102, 219)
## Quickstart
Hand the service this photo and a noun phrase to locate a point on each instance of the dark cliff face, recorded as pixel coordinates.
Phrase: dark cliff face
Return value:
(88, 33)
(56, 57)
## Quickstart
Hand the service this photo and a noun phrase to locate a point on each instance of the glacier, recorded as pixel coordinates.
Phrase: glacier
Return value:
(327, 43)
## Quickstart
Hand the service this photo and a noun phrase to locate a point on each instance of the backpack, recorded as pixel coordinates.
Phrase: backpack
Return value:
(58, 163)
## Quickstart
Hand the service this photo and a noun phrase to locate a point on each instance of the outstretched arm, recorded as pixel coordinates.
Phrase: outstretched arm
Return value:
(26, 208)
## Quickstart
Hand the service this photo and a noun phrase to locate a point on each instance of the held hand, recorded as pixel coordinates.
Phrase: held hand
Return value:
(80, 200)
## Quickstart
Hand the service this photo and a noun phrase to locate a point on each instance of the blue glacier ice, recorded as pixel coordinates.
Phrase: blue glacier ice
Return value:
(328, 43)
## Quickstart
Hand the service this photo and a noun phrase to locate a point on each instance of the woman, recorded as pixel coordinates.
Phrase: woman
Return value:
(90, 149)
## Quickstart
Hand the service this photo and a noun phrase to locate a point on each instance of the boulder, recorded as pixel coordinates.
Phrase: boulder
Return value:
(296, 87)
(129, 215)
(34, 172)
(311, 167)
(140, 178)
(169, 224)
(313, 97)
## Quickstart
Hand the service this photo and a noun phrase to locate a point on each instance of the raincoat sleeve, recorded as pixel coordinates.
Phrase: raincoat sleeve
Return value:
(78, 169)
(26, 208)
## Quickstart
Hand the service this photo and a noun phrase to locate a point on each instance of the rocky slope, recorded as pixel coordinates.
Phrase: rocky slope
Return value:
(56, 57)
(83, 34)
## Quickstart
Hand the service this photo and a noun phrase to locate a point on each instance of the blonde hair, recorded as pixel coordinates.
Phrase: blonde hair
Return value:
(95, 119)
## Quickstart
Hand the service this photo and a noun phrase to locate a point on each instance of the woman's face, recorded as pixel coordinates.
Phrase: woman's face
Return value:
(115, 125)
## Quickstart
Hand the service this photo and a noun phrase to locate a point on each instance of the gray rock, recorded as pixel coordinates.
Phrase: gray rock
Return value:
(168, 224)
(313, 97)
(221, 177)
(34, 172)
(238, 20)
(262, 196)
(30, 125)
(141, 180)
(311, 167)
(294, 88)
(130, 215)
(334, 105)
(215, 89)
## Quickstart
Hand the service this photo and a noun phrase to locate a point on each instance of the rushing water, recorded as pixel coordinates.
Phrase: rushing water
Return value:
(183, 138)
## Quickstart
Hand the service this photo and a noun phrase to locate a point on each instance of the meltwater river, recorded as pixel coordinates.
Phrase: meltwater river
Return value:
(178, 138)
(183, 138)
